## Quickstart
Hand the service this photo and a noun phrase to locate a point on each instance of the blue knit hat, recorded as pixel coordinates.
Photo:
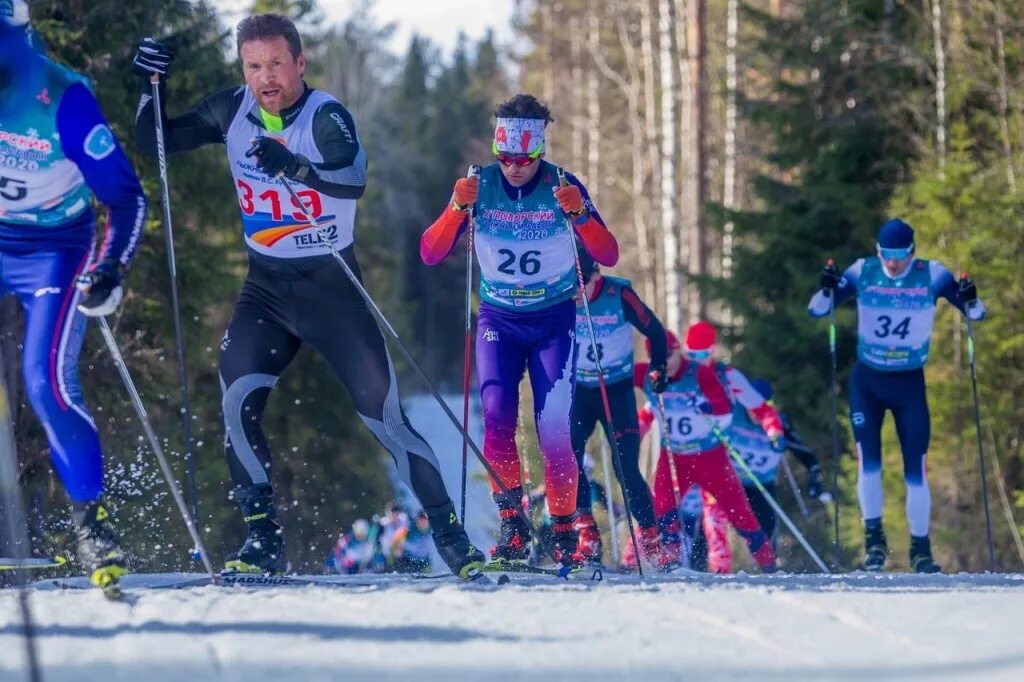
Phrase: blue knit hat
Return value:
(896, 234)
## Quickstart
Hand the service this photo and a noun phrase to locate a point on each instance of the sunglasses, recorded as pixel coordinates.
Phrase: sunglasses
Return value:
(521, 160)
(699, 355)
(895, 254)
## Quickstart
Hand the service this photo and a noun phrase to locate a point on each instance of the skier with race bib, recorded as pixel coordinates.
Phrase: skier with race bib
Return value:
(616, 310)
(896, 296)
(57, 151)
(527, 317)
(295, 292)
(697, 411)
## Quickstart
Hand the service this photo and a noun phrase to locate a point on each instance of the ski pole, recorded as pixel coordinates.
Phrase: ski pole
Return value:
(666, 446)
(981, 449)
(738, 458)
(795, 488)
(474, 172)
(834, 390)
(186, 414)
(382, 321)
(616, 458)
(612, 524)
(154, 443)
(16, 528)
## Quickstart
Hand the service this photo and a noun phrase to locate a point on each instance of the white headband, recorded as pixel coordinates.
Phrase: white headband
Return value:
(519, 135)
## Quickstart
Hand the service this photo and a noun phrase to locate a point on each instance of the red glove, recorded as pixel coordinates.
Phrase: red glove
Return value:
(466, 192)
(570, 199)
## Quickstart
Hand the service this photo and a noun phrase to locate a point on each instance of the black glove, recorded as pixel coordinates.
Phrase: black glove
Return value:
(659, 378)
(152, 58)
(830, 277)
(101, 289)
(273, 158)
(815, 486)
(967, 290)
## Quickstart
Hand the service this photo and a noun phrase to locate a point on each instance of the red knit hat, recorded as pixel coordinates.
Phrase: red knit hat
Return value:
(700, 336)
(673, 342)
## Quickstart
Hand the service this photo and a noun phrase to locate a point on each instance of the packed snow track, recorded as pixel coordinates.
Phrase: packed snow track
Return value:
(392, 628)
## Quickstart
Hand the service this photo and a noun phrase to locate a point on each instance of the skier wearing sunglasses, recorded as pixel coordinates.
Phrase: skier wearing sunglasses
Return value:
(527, 317)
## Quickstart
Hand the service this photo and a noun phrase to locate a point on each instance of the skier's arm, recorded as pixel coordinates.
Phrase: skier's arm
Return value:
(746, 395)
(342, 173)
(946, 286)
(439, 239)
(719, 405)
(821, 302)
(596, 237)
(647, 323)
(206, 123)
(87, 140)
(797, 446)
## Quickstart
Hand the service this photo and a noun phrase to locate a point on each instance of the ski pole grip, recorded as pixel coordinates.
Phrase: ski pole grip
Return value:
(562, 182)
(474, 171)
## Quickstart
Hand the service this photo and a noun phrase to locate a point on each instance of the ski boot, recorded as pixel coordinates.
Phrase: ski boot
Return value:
(98, 548)
(876, 547)
(564, 541)
(588, 540)
(452, 543)
(263, 551)
(514, 537)
(652, 548)
(921, 560)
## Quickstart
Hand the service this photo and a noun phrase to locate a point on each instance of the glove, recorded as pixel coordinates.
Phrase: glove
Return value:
(778, 443)
(967, 290)
(467, 190)
(705, 407)
(273, 158)
(101, 289)
(659, 378)
(152, 58)
(570, 200)
(830, 277)
(815, 486)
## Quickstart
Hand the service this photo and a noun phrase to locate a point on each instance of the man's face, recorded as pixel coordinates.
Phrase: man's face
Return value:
(272, 74)
(894, 267)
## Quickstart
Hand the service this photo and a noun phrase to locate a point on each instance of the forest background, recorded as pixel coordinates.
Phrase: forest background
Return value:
(732, 147)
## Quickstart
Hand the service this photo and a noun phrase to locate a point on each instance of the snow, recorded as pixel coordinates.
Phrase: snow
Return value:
(693, 627)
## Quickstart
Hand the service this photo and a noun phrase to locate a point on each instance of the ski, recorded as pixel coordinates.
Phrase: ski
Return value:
(12, 564)
(513, 566)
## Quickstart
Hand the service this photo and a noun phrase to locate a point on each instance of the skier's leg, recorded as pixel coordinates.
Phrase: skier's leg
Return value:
(763, 511)
(623, 407)
(720, 479)
(257, 346)
(867, 411)
(913, 426)
(715, 526)
(585, 414)
(44, 282)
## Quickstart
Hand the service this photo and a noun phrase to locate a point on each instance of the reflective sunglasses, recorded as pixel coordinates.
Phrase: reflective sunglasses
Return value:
(895, 254)
(521, 160)
(699, 355)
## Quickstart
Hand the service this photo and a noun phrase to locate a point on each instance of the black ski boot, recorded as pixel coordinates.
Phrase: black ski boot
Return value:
(921, 560)
(453, 544)
(876, 548)
(263, 551)
(514, 538)
(98, 545)
(565, 541)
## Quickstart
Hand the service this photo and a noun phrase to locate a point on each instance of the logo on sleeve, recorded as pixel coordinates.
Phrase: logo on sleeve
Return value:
(99, 143)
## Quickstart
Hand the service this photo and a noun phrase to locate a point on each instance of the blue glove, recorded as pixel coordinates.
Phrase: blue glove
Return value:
(778, 444)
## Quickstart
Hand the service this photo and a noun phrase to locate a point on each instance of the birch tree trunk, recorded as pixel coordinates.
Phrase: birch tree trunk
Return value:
(653, 162)
(669, 147)
(576, 57)
(729, 200)
(1004, 96)
(593, 104)
(547, 37)
(940, 82)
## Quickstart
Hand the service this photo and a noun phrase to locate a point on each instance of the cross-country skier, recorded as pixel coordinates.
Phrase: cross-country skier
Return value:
(295, 292)
(527, 316)
(56, 151)
(749, 439)
(697, 408)
(353, 553)
(616, 310)
(896, 296)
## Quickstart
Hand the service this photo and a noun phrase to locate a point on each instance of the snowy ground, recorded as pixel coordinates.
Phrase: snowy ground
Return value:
(759, 628)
